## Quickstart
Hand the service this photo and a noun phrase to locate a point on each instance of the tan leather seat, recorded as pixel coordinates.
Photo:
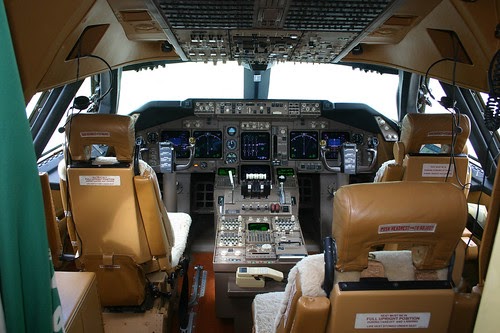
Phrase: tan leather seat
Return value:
(302, 307)
(411, 162)
(375, 289)
(118, 222)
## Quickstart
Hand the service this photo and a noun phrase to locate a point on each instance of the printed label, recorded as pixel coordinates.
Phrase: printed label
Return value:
(100, 180)
(95, 134)
(392, 320)
(406, 227)
(437, 170)
(439, 133)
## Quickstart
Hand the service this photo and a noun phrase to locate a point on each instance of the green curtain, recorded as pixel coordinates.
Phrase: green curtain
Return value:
(29, 294)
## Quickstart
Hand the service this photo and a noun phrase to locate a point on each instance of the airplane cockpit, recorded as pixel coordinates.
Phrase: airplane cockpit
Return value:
(262, 166)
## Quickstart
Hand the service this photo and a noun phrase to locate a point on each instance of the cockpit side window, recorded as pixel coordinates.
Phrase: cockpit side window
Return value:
(33, 105)
(57, 137)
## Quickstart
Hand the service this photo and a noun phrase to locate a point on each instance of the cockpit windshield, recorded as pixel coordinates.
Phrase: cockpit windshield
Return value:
(180, 81)
(336, 83)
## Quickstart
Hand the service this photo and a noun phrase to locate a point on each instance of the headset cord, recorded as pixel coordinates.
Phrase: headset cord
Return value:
(492, 112)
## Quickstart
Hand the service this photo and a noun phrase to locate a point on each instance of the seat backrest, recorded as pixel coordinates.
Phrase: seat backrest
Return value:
(120, 223)
(377, 290)
(418, 129)
(424, 218)
(424, 151)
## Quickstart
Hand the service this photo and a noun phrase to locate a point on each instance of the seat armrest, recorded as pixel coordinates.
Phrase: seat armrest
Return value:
(311, 314)
(152, 216)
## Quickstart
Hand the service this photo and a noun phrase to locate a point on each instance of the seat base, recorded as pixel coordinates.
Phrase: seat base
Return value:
(381, 310)
(155, 320)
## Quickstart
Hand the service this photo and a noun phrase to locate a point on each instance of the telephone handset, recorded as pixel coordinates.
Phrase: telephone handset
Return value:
(255, 276)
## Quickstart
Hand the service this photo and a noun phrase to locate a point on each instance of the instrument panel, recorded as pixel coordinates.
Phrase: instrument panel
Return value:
(279, 133)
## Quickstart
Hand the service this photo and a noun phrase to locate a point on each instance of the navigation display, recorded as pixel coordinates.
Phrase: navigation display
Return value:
(303, 145)
(180, 140)
(255, 146)
(208, 144)
(334, 141)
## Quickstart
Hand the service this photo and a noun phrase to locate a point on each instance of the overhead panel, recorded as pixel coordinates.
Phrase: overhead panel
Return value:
(268, 31)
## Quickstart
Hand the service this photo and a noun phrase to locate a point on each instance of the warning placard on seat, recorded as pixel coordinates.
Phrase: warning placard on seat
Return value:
(406, 227)
(437, 170)
(100, 180)
(392, 320)
(95, 134)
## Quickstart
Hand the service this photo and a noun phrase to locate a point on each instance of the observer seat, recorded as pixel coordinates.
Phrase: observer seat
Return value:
(118, 223)
(432, 147)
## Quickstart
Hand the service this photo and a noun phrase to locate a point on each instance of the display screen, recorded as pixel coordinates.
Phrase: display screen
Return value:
(255, 146)
(208, 144)
(180, 140)
(258, 226)
(225, 171)
(304, 145)
(289, 172)
(334, 141)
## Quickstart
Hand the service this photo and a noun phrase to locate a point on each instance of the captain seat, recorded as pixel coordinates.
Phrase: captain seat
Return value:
(371, 288)
(117, 221)
(432, 147)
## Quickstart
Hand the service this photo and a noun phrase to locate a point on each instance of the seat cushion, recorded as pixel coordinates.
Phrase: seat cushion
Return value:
(180, 222)
(312, 272)
(382, 170)
(265, 307)
(270, 307)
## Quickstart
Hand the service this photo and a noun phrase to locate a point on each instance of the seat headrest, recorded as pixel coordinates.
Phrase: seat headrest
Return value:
(115, 131)
(419, 129)
(367, 216)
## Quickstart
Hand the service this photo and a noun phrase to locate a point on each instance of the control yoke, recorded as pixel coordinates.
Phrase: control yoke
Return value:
(324, 149)
(168, 167)
(166, 154)
(349, 163)
(373, 163)
(191, 147)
